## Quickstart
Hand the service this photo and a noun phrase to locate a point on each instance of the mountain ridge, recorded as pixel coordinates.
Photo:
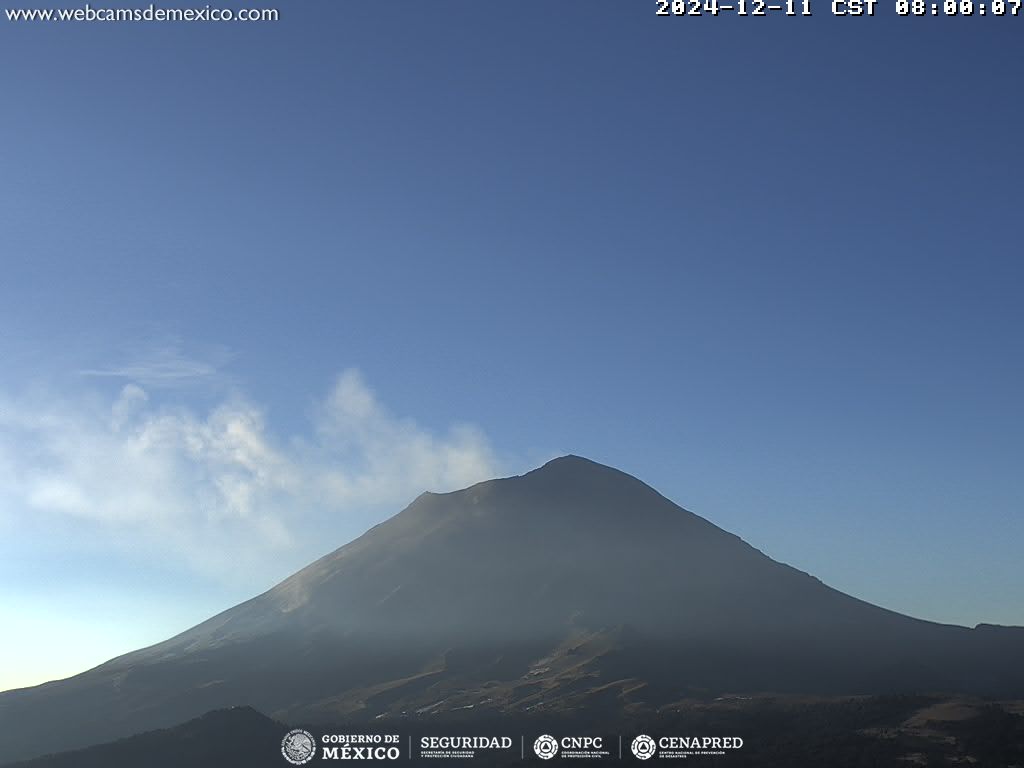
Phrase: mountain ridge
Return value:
(574, 587)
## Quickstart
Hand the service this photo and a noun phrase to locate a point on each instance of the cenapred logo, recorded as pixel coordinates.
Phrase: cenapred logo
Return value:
(298, 746)
(546, 747)
(643, 747)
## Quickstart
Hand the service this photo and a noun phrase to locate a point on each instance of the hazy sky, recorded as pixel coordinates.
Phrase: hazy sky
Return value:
(263, 284)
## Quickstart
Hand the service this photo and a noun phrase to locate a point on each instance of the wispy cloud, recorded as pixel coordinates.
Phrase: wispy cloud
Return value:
(218, 489)
(164, 364)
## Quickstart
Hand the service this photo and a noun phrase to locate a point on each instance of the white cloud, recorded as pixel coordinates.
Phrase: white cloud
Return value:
(219, 490)
(374, 453)
(164, 365)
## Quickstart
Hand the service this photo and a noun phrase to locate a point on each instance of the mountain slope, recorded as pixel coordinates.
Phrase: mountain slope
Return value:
(573, 586)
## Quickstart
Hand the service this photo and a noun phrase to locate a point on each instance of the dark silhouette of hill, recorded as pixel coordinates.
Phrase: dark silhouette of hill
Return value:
(573, 588)
(777, 732)
(226, 737)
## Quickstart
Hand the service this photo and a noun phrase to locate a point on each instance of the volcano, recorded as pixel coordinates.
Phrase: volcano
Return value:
(572, 588)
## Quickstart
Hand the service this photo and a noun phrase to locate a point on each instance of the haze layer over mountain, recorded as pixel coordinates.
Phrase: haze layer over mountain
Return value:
(572, 588)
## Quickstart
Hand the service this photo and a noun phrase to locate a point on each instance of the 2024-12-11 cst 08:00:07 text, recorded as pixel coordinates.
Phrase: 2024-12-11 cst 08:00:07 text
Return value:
(680, 8)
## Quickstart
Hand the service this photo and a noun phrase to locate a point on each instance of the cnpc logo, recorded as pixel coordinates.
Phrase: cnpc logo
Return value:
(547, 746)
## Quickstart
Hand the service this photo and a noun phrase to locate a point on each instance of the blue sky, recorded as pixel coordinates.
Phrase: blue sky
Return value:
(262, 284)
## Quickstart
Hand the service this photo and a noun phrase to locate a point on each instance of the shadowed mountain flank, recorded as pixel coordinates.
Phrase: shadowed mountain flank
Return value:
(572, 588)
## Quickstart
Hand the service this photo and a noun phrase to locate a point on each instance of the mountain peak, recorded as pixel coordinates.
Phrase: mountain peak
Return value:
(569, 462)
(576, 473)
(574, 468)
(571, 459)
